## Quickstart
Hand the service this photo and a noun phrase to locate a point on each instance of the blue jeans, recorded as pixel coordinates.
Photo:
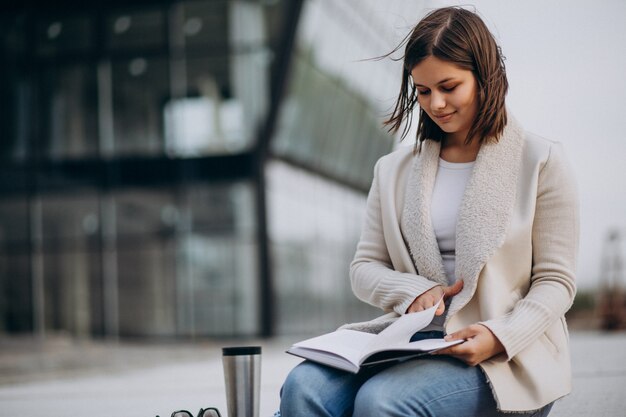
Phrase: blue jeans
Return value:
(430, 386)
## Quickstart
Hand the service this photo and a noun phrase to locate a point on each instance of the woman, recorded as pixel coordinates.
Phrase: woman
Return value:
(480, 213)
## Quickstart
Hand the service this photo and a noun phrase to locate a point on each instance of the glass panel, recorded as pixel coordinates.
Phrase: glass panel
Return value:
(146, 279)
(69, 96)
(146, 224)
(337, 100)
(210, 120)
(70, 220)
(295, 124)
(70, 262)
(205, 25)
(135, 29)
(290, 110)
(222, 85)
(187, 268)
(218, 280)
(349, 126)
(17, 121)
(13, 222)
(16, 312)
(314, 126)
(250, 61)
(140, 90)
(13, 33)
(314, 226)
(145, 213)
(223, 208)
(66, 34)
(16, 98)
(72, 292)
(219, 297)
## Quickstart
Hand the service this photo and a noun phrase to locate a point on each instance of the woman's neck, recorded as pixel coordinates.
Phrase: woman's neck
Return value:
(455, 150)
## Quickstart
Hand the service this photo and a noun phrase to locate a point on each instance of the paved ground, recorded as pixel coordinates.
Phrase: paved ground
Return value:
(61, 378)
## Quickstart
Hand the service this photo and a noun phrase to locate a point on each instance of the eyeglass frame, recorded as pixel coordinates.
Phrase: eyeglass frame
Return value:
(200, 412)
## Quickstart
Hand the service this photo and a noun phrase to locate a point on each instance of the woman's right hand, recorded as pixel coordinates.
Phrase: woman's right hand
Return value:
(430, 297)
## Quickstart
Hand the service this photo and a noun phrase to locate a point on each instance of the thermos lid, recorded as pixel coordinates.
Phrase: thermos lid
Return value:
(241, 350)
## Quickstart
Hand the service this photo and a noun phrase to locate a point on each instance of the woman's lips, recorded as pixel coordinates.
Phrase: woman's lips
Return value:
(444, 117)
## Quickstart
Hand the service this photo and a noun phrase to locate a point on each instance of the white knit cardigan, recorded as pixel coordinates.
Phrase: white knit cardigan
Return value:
(516, 248)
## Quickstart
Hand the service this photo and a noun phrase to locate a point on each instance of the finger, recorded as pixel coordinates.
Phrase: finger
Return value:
(415, 308)
(455, 350)
(445, 351)
(465, 333)
(465, 352)
(424, 302)
(454, 289)
(440, 309)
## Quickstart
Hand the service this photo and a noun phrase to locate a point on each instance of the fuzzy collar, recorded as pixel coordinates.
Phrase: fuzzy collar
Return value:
(484, 214)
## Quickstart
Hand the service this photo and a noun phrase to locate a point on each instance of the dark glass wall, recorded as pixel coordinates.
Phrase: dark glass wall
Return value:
(186, 168)
(127, 192)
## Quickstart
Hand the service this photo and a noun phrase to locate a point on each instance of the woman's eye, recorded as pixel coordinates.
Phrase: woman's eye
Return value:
(423, 92)
(448, 89)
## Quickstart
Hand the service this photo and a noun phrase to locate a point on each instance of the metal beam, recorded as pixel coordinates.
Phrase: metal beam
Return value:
(53, 176)
(278, 87)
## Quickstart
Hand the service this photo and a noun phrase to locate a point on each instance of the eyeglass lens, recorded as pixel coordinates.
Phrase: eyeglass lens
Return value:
(210, 412)
(182, 413)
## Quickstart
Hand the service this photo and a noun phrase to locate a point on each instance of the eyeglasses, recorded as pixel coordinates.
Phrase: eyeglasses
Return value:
(204, 412)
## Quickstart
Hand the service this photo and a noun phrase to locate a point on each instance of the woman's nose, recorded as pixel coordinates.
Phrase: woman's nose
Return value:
(437, 101)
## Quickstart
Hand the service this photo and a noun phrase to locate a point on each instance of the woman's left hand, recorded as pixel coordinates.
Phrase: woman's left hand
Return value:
(480, 344)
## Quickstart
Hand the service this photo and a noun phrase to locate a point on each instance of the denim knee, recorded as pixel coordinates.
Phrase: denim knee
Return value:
(297, 389)
(376, 399)
(317, 390)
(309, 391)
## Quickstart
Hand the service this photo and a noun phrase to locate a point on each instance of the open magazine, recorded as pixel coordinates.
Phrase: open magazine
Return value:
(350, 350)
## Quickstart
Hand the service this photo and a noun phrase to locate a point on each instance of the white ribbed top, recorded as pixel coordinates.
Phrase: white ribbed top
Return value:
(447, 195)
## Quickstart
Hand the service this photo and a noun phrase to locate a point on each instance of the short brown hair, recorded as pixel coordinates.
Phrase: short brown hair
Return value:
(458, 36)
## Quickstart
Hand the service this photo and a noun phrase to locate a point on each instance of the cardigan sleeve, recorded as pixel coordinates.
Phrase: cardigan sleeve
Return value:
(372, 275)
(555, 247)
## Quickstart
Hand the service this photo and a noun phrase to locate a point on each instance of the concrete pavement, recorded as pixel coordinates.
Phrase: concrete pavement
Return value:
(95, 379)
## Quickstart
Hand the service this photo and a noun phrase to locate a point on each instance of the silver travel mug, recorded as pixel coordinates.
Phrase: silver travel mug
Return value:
(242, 374)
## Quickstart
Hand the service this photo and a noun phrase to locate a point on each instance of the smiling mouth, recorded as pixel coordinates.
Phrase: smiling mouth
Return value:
(443, 116)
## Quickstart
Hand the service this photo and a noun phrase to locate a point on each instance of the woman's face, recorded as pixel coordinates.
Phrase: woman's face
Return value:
(447, 93)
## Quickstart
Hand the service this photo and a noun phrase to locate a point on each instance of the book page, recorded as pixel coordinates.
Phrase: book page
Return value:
(347, 349)
(405, 351)
(400, 332)
(345, 343)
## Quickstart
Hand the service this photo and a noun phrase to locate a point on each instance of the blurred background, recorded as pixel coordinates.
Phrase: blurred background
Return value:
(199, 169)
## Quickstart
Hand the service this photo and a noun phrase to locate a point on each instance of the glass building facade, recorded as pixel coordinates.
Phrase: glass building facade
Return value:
(190, 168)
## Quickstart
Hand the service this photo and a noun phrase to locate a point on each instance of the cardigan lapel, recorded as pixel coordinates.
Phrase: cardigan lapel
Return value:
(484, 214)
(486, 208)
(416, 223)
